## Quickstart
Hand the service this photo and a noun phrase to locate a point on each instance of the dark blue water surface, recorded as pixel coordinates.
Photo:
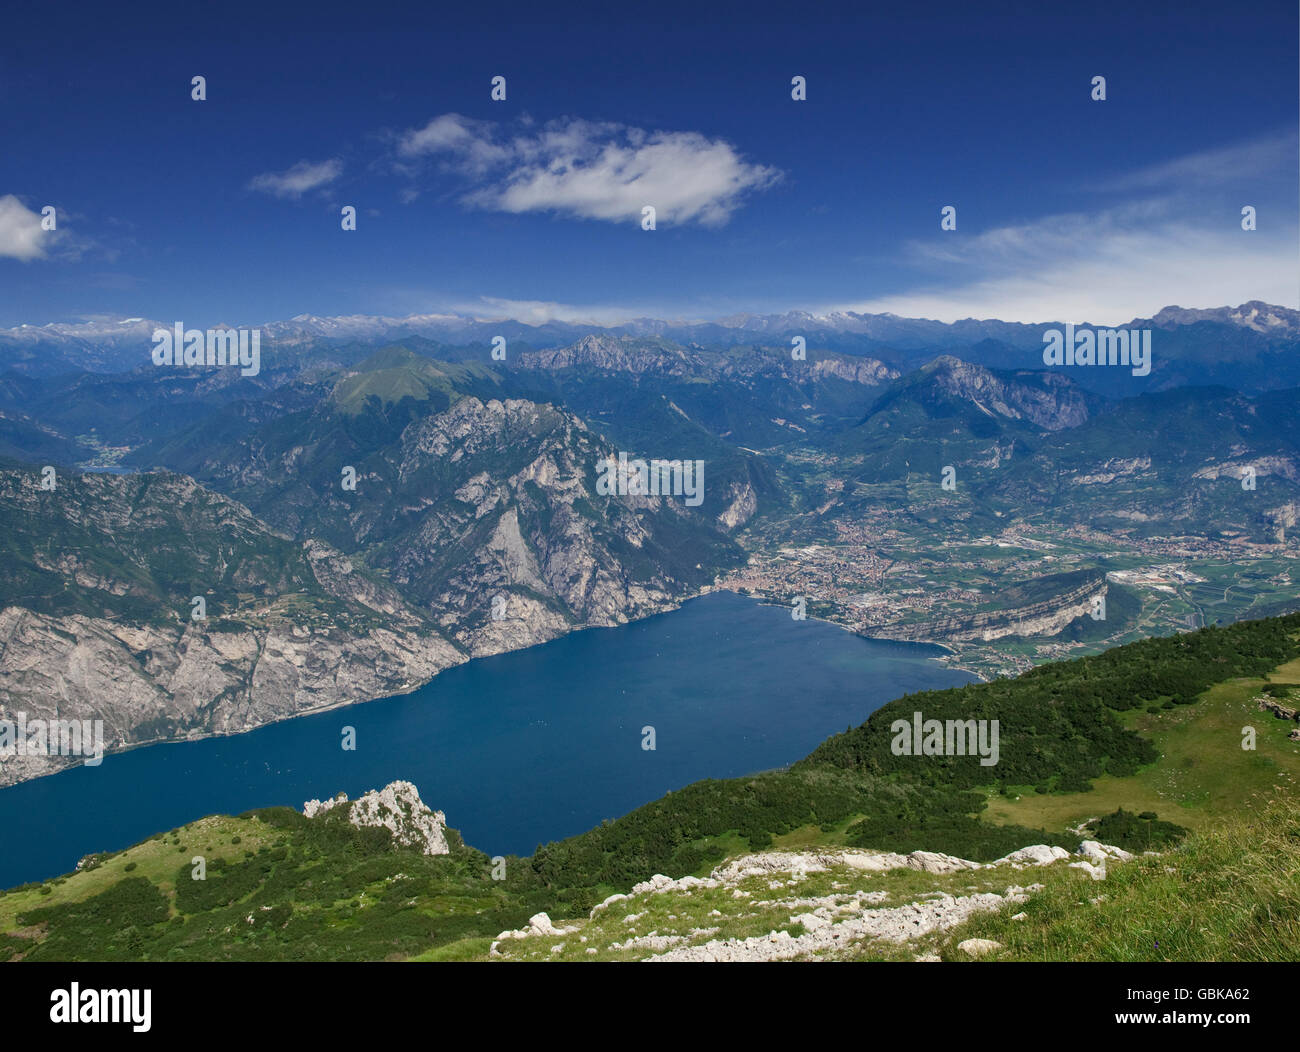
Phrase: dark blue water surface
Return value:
(518, 749)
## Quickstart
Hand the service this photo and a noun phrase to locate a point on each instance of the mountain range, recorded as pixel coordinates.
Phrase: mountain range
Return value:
(364, 513)
(1245, 345)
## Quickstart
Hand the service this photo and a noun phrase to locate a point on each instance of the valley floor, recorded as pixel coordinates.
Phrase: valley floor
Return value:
(883, 575)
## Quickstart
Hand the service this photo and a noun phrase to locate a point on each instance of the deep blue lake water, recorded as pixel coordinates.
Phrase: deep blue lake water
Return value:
(518, 749)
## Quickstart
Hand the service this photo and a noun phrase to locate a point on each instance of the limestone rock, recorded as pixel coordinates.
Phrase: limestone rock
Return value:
(1282, 712)
(398, 808)
(978, 947)
(1096, 852)
(540, 924)
(1034, 855)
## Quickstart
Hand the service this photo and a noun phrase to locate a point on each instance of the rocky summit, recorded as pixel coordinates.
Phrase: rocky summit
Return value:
(398, 808)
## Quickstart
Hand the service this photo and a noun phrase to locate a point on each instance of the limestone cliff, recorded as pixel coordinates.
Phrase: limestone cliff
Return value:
(1043, 618)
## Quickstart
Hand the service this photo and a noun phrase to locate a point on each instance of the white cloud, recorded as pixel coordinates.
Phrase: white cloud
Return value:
(1177, 240)
(539, 312)
(591, 170)
(21, 236)
(469, 140)
(1236, 163)
(302, 178)
(1107, 276)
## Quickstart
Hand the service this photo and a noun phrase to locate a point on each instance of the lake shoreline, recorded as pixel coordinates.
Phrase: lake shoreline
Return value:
(518, 749)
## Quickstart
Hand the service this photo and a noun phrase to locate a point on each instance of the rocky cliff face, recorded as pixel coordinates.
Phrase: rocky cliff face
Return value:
(149, 683)
(1049, 400)
(513, 543)
(480, 531)
(855, 370)
(661, 358)
(1263, 466)
(1045, 618)
(102, 624)
(600, 351)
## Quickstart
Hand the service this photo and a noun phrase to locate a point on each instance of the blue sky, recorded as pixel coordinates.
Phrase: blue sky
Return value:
(228, 210)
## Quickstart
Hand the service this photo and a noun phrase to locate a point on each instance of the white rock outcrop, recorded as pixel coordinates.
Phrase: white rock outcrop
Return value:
(538, 924)
(899, 924)
(1095, 857)
(398, 808)
(978, 947)
(1096, 852)
(823, 924)
(1034, 855)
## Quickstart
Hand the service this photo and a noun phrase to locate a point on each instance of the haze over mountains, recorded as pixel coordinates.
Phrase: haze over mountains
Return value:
(1192, 345)
(478, 522)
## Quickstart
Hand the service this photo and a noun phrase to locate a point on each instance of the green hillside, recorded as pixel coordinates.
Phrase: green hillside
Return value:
(396, 373)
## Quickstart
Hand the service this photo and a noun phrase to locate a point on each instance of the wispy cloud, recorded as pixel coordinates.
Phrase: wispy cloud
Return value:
(539, 312)
(1175, 238)
(302, 178)
(590, 170)
(1127, 278)
(1236, 163)
(466, 140)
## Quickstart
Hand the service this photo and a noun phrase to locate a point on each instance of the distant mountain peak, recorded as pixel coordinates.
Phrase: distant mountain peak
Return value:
(1254, 314)
(1049, 400)
(111, 344)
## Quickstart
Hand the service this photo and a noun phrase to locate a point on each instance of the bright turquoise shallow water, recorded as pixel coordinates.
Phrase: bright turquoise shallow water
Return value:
(518, 749)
